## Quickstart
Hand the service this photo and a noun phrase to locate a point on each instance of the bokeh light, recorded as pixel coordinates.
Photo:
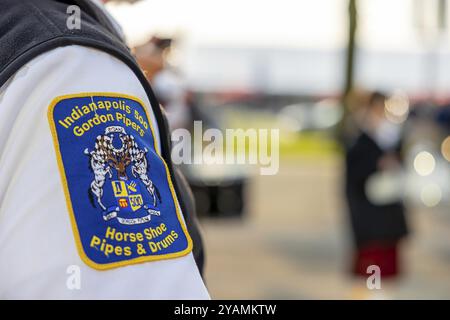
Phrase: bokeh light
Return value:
(424, 163)
(431, 195)
(397, 107)
(445, 148)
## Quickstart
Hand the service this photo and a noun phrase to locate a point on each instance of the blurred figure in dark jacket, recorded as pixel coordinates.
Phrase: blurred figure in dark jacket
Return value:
(377, 227)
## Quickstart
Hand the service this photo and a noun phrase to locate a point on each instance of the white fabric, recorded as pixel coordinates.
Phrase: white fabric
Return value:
(36, 240)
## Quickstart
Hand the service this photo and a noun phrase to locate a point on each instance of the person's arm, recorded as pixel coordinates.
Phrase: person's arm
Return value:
(49, 190)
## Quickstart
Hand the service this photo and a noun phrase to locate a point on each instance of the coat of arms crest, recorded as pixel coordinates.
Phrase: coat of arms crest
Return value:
(117, 157)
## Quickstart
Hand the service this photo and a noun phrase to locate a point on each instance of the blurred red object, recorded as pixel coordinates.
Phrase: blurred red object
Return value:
(385, 256)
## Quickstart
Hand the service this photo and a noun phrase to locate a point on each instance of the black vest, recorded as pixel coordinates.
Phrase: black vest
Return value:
(29, 28)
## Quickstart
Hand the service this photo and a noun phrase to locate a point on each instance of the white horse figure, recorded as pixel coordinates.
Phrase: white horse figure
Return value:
(139, 169)
(100, 169)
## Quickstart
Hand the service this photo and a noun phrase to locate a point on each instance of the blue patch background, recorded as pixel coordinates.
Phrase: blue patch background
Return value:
(79, 176)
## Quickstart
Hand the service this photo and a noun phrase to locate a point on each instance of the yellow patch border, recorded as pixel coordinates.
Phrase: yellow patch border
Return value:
(73, 221)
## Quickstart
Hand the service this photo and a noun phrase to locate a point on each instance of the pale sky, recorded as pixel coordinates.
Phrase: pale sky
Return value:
(297, 23)
(384, 24)
(219, 37)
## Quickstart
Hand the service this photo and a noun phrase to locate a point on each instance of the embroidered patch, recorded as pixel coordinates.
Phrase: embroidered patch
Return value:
(118, 189)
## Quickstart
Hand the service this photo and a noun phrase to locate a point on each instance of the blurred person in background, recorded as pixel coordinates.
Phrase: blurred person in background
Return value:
(150, 56)
(377, 227)
(170, 89)
(166, 80)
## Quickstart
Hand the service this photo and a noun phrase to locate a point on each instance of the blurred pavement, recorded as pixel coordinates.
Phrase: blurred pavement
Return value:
(292, 243)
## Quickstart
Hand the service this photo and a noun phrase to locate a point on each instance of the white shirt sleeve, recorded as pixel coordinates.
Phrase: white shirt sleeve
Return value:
(38, 255)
